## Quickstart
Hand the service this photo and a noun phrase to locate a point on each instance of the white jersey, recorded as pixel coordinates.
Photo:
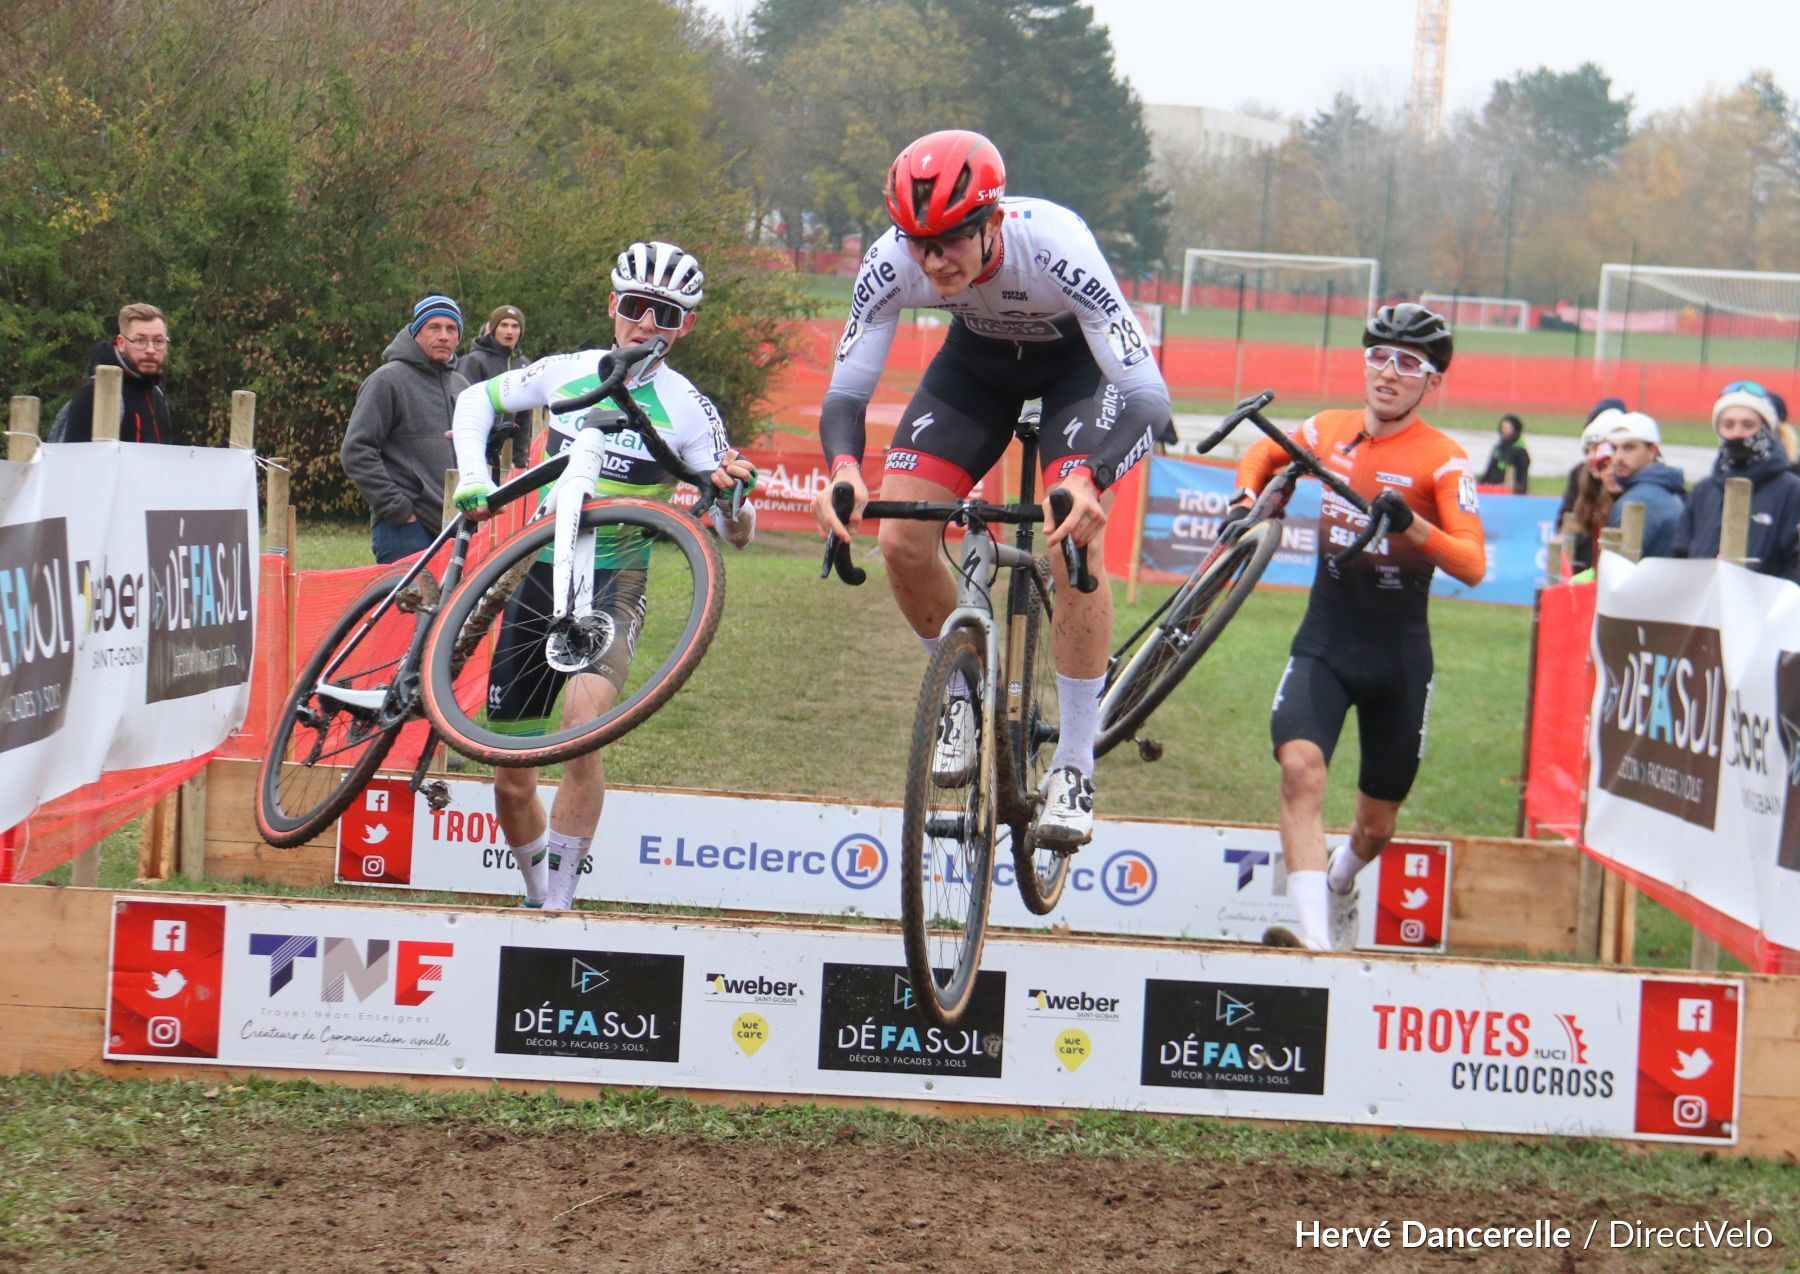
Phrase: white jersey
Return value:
(1051, 279)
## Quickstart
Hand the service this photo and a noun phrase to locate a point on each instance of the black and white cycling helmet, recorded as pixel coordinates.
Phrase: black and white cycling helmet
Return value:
(661, 270)
(1413, 326)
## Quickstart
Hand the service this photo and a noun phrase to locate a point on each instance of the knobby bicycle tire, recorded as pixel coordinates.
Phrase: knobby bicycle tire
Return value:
(1187, 629)
(1041, 876)
(284, 828)
(924, 864)
(450, 646)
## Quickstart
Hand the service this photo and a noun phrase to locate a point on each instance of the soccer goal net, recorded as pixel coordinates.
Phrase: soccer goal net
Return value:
(1218, 277)
(1480, 313)
(1690, 301)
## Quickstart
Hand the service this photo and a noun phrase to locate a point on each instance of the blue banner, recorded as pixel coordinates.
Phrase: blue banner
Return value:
(1188, 501)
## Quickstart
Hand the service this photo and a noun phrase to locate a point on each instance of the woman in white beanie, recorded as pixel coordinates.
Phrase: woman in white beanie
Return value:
(1745, 418)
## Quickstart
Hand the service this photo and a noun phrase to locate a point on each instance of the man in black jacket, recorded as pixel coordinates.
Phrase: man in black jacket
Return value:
(140, 350)
(1745, 419)
(496, 351)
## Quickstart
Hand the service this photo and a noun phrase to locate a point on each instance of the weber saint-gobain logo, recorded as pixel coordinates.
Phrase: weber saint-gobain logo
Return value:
(37, 630)
(597, 1004)
(203, 593)
(1787, 711)
(1661, 715)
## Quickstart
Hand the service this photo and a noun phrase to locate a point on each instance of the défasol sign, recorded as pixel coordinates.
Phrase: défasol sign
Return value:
(1164, 1027)
(768, 854)
(1696, 740)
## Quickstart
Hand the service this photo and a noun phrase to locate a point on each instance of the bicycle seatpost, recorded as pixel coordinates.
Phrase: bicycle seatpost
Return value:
(1074, 556)
(837, 553)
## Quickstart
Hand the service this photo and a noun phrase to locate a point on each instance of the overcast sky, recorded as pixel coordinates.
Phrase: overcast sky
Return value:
(1294, 54)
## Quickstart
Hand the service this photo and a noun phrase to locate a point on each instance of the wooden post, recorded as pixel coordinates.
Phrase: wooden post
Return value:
(1591, 906)
(1137, 533)
(276, 530)
(1537, 606)
(1631, 531)
(190, 828)
(109, 398)
(1618, 900)
(449, 494)
(506, 459)
(1571, 527)
(243, 420)
(1734, 523)
(22, 424)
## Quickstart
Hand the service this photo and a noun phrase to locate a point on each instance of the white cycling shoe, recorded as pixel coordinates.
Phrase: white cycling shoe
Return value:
(953, 761)
(1290, 936)
(1067, 819)
(1343, 908)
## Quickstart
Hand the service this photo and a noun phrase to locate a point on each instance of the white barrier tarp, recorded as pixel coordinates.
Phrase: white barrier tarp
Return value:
(1250, 1033)
(1695, 736)
(127, 611)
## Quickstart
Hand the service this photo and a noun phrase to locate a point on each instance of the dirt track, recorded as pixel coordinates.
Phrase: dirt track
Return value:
(448, 1197)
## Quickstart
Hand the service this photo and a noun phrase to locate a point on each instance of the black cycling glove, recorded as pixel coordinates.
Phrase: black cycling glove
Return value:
(1235, 514)
(1393, 504)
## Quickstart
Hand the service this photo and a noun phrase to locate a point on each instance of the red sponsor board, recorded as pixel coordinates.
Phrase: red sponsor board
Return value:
(1413, 898)
(163, 994)
(375, 836)
(1688, 1059)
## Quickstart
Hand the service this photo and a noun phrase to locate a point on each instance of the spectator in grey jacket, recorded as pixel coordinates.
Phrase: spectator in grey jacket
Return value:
(398, 444)
(496, 351)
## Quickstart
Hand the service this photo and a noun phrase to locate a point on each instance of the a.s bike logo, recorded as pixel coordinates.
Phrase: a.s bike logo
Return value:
(1662, 715)
(37, 630)
(1234, 1035)
(868, 1022)
(624, 1005)
(202, 590)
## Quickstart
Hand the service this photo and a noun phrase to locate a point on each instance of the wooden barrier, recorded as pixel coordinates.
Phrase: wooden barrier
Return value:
(1517, 897)
(53, 974)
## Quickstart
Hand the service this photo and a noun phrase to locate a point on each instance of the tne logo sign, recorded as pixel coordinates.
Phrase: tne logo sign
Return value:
(1662, 711)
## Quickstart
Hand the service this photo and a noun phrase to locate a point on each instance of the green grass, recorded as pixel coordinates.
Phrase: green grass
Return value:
(831, 293)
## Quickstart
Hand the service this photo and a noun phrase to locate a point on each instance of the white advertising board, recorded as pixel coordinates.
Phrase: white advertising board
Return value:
(1164, 1028)
(128, 581)
(766, 854)
(1695, 736)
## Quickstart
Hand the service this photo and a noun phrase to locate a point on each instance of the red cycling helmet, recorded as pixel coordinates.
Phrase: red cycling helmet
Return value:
(943, 182)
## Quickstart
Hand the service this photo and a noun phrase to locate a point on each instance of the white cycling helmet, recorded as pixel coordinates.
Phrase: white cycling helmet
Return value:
(661, 270)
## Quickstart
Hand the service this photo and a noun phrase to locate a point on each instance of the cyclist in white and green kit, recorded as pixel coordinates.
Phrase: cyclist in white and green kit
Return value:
(656, 289)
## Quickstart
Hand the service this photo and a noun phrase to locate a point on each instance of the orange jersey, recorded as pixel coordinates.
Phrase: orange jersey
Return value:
(1431, 473)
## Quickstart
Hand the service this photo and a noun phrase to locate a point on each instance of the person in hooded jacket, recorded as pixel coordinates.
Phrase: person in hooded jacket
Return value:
(1638, 475)
(140, 350)
(498, 349)
(1509, 456)
(1745, 419)
(397, 447)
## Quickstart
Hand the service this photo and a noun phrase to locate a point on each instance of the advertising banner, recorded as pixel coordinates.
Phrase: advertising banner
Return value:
(128, 579)
(1253, 1034)
(1695, 743)
(1188, 503)
(793, 856)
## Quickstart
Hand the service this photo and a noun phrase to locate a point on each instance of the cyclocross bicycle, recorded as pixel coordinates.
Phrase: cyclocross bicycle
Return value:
(1151, 662)
(1003, 664)
(410, 645)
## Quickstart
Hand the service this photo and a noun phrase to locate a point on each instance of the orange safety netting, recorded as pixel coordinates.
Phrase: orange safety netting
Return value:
(1556, 771)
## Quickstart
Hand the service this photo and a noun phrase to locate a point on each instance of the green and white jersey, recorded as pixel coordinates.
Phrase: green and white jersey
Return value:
(685, 417)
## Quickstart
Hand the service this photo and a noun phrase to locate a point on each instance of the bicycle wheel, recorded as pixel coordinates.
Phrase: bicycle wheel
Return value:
(947, 843)
(322, 748)
(582, 681)
(1169, 650)
(1031, 736)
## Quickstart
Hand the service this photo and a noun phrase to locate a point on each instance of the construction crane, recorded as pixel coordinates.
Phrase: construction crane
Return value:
(1431, 38)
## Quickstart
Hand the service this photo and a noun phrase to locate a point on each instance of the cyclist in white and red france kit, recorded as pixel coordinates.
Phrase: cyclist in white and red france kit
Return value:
(1035, 313)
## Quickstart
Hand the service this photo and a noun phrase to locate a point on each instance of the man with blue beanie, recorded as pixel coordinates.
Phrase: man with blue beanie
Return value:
(1745, 417)
(398, 444)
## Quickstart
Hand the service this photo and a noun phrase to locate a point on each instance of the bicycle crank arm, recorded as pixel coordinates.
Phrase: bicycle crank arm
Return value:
(369, 700)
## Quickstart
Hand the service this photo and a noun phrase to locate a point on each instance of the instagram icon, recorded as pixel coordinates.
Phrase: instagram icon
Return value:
(163, 1032)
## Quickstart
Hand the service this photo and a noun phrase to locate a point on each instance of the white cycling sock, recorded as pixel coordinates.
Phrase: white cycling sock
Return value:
(534, 865)
(1307, 889)
(566, 855)
(1342, 873)
(1078, 704)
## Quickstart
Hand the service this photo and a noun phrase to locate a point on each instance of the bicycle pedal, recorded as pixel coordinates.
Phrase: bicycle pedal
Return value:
(1149, 750)
(436, 793)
